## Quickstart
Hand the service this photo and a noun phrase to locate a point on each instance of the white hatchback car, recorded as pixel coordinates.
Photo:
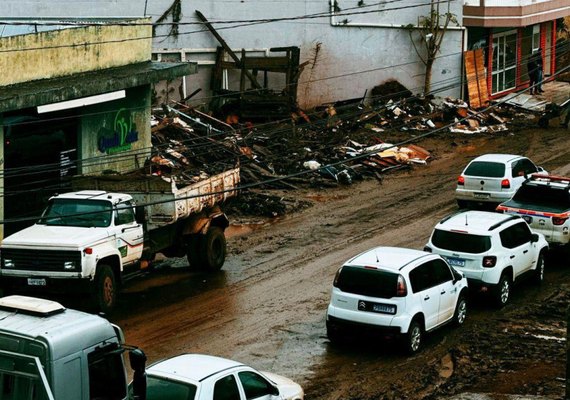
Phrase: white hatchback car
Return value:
(493, 250)
(394, 291)
(493, 179)
(202, 377)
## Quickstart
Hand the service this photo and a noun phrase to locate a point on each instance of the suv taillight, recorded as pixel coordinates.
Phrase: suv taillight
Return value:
(461, 180)
(505, 184)
(559, 220)
(489, 261)
(335, 282)
(401, 289)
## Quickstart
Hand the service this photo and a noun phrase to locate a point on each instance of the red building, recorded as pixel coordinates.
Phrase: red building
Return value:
(509, 31)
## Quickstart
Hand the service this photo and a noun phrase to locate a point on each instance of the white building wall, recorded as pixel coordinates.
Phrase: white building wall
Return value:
(356, 51)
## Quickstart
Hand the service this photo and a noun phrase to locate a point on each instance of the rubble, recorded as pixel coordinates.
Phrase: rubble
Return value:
(335, 144)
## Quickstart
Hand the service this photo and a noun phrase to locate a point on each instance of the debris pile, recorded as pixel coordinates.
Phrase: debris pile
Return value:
(335, 144)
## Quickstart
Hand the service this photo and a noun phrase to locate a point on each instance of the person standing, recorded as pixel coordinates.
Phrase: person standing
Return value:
(539, 70)
(532, 72)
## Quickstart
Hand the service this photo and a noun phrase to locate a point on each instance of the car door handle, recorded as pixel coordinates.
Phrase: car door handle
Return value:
(512, 257)
(443, 292)
(426, 298)
(526, 251)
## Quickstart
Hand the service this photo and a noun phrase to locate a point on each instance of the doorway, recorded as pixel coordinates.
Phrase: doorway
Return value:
(504, 61)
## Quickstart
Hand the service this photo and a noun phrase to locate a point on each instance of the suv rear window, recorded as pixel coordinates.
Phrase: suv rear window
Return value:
(461, 242)
(486, 168)
(367, 282)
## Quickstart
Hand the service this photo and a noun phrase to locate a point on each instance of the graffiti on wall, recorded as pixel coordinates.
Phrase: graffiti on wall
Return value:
(124, 133)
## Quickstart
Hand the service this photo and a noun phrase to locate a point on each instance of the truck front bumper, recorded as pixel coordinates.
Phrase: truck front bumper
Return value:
(45, 284)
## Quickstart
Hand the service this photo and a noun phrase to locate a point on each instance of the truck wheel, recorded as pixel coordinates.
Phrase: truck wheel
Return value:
(213, 249)
(105, 289)
(193, 251)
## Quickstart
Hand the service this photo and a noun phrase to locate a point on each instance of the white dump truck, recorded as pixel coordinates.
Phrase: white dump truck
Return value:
(49, 352)
(91, 240)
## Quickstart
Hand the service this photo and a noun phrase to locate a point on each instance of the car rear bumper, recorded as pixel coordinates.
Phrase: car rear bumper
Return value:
(472, 196)
(338, 325)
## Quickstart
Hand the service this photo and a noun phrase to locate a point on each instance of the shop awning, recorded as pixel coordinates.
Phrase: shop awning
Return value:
(47, 91)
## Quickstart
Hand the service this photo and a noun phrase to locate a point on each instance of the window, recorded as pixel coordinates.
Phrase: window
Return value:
(367, 282)
(543, 197)
(226, 389)
(77, 212)
(158, 388)
(441, 272)
(124, 214)
(106, 375)
(515, 236)
(255, 385)
(485, 168)
(421, 278)
(528, 166)
(461, 242)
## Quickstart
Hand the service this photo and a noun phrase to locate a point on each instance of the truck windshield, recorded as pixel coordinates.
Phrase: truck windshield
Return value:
(22, 378)
(74, 212)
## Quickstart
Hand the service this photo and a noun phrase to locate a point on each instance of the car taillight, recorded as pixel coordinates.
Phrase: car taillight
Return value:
(401, 289)
(427, 248)
(489, 261)
(461, 180)
(335, 282)
(88, 250)
(505, 184)
(559, 220)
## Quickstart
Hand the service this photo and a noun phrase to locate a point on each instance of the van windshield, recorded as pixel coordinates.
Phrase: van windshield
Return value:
(77, 212)
(367, 282)
(461, 242)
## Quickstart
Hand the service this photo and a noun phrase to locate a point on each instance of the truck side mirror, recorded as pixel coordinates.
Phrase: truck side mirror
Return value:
(139, 214)
(137, 358)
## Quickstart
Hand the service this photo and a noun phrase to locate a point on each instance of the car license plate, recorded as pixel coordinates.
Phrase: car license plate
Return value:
(455, 262)
(37, 282)
(481, 195)
(384, 308)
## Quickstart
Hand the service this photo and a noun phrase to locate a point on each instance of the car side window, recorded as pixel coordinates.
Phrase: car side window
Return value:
(517, 169)
(515, 236)
(255, 386)
(441, 272)
(421, 278)
(528, 166)
(226, 388)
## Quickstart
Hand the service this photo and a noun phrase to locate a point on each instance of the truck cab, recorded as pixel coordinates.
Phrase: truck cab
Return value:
(49, 352)
(88, 237)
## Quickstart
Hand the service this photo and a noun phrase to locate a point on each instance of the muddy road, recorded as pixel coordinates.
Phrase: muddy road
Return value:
(267, 306)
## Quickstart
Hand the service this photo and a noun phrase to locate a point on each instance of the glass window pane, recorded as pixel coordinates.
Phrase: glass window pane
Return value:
(163, 389)
(255, 385)
(226, 389)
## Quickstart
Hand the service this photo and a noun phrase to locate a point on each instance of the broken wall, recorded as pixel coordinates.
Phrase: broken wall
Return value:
(345, 55)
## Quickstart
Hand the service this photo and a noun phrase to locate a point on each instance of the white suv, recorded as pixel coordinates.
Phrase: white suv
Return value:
(493, 250)
(493, 178)
(396, 292)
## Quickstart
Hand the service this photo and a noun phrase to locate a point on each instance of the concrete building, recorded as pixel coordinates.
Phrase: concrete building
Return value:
(509, 31)
(347, 46)
(72, 100)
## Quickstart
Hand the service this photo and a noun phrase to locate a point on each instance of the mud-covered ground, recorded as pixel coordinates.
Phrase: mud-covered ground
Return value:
(267, 306)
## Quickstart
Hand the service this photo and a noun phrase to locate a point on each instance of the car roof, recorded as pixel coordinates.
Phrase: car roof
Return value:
(390, 258)
(193, 367)
(476, 222)
(94, 195)
(497, 157)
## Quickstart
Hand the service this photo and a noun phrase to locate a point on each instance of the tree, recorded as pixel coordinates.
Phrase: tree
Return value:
(431, 29)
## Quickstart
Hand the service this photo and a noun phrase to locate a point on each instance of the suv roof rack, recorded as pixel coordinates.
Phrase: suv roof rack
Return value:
(510, 218)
